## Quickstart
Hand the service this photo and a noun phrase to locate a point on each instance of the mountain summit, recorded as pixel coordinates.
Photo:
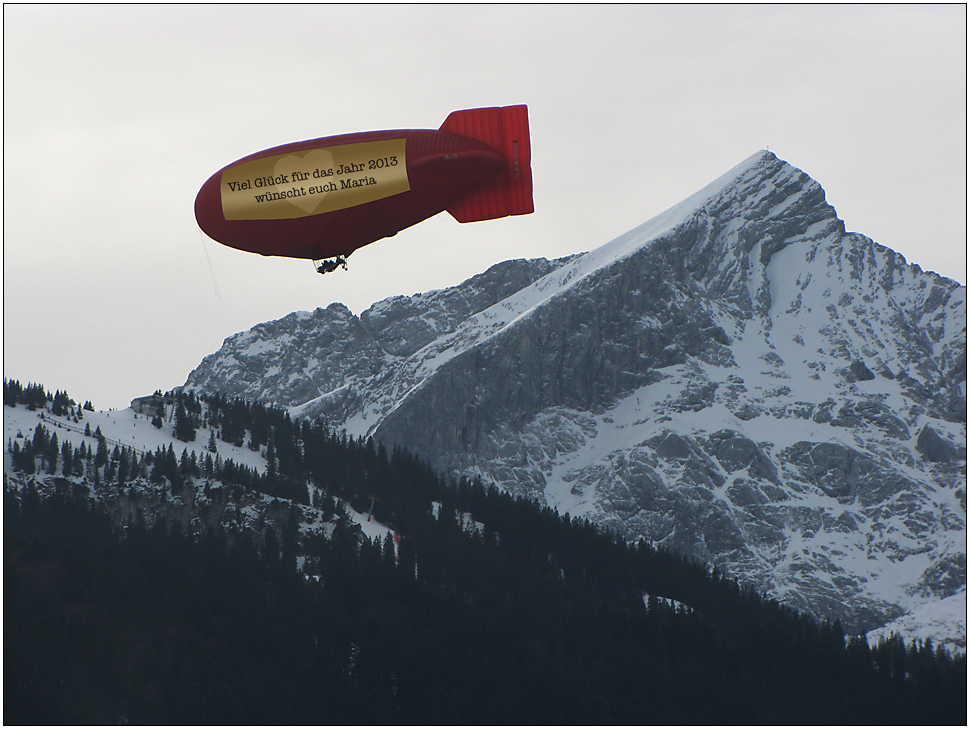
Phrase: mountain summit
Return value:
(739, 379)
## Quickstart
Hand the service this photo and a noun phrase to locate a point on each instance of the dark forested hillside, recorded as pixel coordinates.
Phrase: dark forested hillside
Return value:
(488, 609)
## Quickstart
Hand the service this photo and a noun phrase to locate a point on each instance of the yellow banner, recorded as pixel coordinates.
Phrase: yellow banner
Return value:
(298, 184)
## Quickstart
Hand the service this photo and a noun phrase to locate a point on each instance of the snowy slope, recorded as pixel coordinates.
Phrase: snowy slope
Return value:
(252, 512)
(739, 378)
(120, 427)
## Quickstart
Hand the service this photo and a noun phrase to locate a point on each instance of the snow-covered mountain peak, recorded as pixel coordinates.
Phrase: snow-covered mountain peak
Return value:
(737, 378)
(763, 189)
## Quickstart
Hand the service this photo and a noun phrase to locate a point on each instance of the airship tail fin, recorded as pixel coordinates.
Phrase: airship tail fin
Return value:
(506, 129)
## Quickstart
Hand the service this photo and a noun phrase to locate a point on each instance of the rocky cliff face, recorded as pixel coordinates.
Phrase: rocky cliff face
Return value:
(738, 378)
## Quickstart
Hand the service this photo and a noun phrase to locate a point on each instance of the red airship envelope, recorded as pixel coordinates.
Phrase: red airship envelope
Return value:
(323, 199)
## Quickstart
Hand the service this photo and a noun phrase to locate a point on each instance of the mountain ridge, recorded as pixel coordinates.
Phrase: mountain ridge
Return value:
(738, 378)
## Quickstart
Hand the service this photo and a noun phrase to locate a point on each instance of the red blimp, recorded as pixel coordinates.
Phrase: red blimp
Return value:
(322, 199)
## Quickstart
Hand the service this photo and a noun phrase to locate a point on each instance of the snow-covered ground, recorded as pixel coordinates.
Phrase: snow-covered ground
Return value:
(121, 427)
(947, 617)
(128, 428)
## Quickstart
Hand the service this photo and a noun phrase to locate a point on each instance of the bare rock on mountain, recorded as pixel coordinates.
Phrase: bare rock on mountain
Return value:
(738, 378)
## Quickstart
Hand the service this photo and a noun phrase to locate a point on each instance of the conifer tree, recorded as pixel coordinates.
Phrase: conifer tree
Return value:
(291, 532)
(12, 392)
(67, 458)
(17, 456)
(51, 454)
(41, 438)
(101, 457)
(271, 457)
(157, 475)
(62, 402)
(123, 468)
(34, 396)
(271, 547)
(184, 427)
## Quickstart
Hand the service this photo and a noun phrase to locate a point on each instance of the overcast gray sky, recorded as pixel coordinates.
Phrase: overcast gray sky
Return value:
(115, 116)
